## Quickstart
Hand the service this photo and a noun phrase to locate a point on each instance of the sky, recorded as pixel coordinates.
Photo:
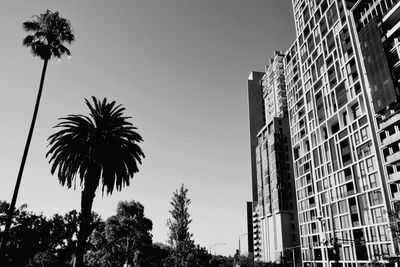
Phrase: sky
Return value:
(180, 69)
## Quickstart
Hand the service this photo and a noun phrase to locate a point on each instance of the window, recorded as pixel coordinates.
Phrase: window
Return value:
(374, 235)
(373, 180)
(364, 134)
(332, 15)
(364, 150)
(385, 249)
(356, 138)
(375, 197)
(377, 215)
(383, 234)
(345, 118)
(370, 164)
(382, 136)
(354, 212)
(356, 111)
(343, 206)
(346, 152)
(344, 221)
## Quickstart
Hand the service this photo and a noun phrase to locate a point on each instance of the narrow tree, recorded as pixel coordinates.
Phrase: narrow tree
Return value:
(100, 147)
(180, 239)
(49, 33)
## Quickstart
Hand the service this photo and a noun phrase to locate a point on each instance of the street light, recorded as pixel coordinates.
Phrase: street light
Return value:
(214, 245)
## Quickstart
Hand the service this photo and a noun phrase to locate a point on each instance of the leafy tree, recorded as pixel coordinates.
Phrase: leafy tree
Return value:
(42, 241)
(180, 239)
(129, 232)
(221, 261)
(159, 254)
(199, 256)
(49, 33)
(126, 238)
(102, 146)
(45, 259)
(29, 235)
(64, 231)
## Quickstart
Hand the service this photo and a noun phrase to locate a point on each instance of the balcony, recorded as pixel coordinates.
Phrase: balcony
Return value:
(394, 177)
(389, 121)
(391, 139)
(394, 157)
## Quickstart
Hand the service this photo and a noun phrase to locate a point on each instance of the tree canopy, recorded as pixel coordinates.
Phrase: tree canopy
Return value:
(49, 33)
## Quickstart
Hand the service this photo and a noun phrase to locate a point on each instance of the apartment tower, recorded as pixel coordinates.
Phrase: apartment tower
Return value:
(275, 231)
(340, 178)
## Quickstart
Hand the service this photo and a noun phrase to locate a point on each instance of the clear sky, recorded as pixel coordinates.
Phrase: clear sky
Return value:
(180, 68)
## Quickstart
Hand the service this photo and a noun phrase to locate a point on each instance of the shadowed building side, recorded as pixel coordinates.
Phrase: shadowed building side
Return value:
(256, 122)
(250, 239)
(377, 23)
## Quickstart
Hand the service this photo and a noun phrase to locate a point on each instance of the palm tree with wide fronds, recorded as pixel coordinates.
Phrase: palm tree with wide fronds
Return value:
(48, 34)
(101, 148)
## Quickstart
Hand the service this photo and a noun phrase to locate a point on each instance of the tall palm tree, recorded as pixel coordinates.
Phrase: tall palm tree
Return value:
(102, 146)
(49, 33)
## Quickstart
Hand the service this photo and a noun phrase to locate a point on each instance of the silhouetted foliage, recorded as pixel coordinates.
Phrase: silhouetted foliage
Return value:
(49, 33)
(125, 237)
(42, 241)
(100, 147)
(29, 235)
(159, 254)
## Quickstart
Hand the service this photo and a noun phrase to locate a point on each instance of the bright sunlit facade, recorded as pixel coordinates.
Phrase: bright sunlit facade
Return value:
(340, 100)
(339, 174)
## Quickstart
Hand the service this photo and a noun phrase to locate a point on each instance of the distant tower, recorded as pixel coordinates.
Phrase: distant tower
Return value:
(275, 231)
(256, 121)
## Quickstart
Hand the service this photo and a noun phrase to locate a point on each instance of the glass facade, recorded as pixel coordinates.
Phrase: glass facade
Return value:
(377, 67)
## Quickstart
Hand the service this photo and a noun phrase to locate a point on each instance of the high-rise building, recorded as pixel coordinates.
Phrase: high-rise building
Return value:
(275, 231)
(377, 23)
(256, 122)
(342, 98)
(333, 100)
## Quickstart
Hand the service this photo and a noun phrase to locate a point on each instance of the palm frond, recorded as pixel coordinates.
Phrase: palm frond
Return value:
(49, 32)
(104, 141)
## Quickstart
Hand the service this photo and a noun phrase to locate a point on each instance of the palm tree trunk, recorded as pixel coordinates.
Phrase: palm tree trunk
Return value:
(88, 194)
(4, 239)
